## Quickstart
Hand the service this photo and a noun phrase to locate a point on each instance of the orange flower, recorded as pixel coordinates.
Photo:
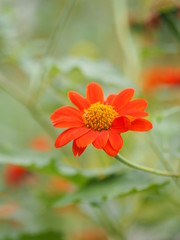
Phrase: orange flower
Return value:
(161, 76)
(99, 121)
(41, 144)
(8, 208)
(60, 185)
(90, 234)
(14, 174)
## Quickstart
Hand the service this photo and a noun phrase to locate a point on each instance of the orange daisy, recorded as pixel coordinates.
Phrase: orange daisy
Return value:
(41, 144)
(14, 174)
(161, 76)
(99, 121)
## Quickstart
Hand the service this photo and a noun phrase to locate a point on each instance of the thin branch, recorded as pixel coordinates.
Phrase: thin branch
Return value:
(58, 29)
(18, 95)
(59, 26)
(145, 169)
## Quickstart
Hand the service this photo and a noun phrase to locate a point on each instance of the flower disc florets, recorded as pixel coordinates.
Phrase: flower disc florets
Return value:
(99, 121)
(99, 116)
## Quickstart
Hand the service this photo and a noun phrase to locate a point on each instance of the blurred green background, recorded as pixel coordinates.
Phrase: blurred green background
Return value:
(50, 47)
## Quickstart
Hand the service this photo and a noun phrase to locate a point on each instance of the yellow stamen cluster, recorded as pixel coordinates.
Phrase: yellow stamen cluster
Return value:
(99, 116)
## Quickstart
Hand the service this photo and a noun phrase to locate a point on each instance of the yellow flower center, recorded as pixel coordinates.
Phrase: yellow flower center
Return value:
(99, 116)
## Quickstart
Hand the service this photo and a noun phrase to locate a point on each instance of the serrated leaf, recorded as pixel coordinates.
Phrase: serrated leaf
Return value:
(45, 163)
(113, 187)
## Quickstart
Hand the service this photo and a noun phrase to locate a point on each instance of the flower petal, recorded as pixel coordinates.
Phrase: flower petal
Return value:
(110, 150)
(70, 134)
(67, 117)
(78, 100)
(68, 122)
(123, 98)
(66, 111)
(76, 150)
(121, 124)
(137, 104)
(94, 93)
(87, 138)
(141, 125)
(134, 108)
(115, 140)
(134, 113)
(110, 99)
(101, 140)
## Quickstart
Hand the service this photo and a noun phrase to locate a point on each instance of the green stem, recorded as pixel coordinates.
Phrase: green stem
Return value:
(6, 86)
(164, 162)
(168, 113)
(42, 121)
(59, 26)
(131, 61)
(30, 105)
(54, 39)
(112, 221)
(144, 169)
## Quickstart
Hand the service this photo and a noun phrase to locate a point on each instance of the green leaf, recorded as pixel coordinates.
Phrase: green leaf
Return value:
(113, 187)
(100, 70)
(48, 164)
(40, 236)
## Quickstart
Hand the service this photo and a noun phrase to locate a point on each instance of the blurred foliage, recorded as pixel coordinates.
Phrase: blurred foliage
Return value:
(50, 47)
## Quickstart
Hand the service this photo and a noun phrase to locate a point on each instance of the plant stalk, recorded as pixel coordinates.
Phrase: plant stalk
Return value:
(123, 160)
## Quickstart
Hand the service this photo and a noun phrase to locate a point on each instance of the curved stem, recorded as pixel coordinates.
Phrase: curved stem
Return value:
(169, 112)
(60, 24)
(14, 91)
(131, 61)
(164, 162)
(18, 95)
(54, 38)
(145, 169)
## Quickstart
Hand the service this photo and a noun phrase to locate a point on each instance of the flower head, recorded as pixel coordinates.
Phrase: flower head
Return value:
(90, 234)
(161, 76)
(99, 121)
(41, 144)
(14, 174)
(60, 185)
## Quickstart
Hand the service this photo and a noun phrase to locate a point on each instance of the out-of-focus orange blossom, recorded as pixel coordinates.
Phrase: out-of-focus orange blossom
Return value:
(71, 209)
(41, 144)
(158, 77)
(90, 234)
(14, 174)
(60, 185)
(7, 209)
